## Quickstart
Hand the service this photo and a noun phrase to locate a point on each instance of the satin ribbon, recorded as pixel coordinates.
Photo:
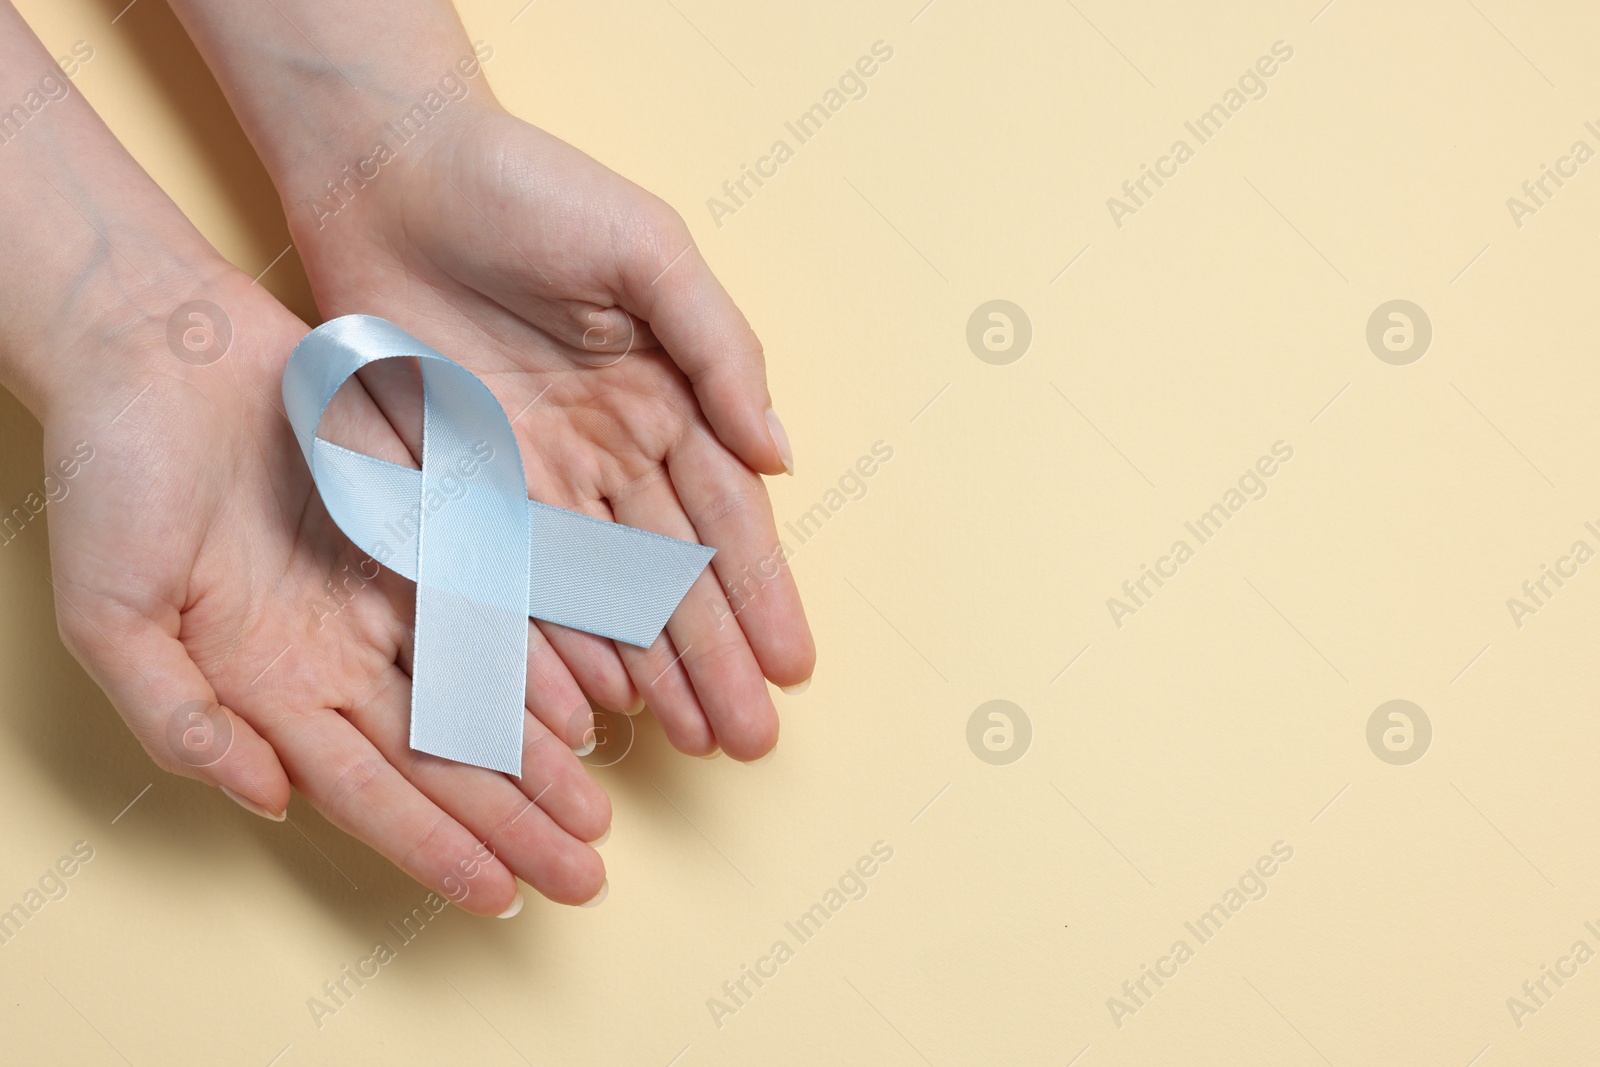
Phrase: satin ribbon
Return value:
(485, 558)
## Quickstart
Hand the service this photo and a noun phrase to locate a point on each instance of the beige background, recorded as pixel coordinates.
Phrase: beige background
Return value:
(1229, 714)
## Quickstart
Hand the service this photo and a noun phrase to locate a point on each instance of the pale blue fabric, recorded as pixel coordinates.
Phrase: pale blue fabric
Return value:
(483, 555)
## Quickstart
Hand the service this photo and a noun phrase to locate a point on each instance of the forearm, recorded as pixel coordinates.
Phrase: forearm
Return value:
(333, 94)
(89, 240)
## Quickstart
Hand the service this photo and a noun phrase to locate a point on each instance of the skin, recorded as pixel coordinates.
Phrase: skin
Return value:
(561, 285)
(192, 557)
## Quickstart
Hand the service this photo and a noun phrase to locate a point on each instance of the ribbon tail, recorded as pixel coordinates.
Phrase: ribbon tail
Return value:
(604, 578)
(469, 666)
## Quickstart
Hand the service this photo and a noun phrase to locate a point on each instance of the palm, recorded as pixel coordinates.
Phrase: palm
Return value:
(521, 258)
(222, 545)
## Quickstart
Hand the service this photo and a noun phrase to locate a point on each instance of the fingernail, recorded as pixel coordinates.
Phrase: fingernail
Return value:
(588, 746)
(254, 808)
(516, 906)
(715, 753)
(762, 759)
(636, 709)
(796, 689)
(599, 898)
(602, 839)
(780, 440)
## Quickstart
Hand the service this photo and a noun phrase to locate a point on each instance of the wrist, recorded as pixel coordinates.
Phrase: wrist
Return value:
(99, 322)
(335, 98)
(359, 165)
(91, 244)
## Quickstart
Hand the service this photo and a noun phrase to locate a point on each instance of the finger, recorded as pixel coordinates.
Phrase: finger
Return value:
(657, 675)
(595, 665)
(723, 670)
(728, 506)
(519, 832)
(665, 688)
(348, 779)
(168, 704)
(552, 693)
(557, 781)
(668, 283)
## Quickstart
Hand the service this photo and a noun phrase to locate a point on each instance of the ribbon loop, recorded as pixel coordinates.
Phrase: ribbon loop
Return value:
(485, 558)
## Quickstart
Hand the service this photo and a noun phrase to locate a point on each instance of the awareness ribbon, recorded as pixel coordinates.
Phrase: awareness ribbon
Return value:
(485, 558)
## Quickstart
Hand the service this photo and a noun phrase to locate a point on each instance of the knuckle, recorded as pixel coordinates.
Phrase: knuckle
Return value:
(731, 504)
(75, 634)
(541, 759)
(602, 329)
(666, 220)
(665, 236)
(354, 777)
(710, 654)
(429, 846)
(509, 826)
(649, 479)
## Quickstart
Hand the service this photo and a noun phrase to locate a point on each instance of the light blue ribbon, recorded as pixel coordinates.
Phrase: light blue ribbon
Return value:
(485, 558)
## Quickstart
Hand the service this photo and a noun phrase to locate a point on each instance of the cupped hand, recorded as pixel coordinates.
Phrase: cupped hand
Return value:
(636, 388)
(203, 585)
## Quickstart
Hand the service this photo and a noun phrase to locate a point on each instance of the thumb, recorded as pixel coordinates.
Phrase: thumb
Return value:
(171, 708)
(671, 286)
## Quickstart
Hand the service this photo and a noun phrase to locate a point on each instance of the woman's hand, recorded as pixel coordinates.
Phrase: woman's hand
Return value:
(200, 581)
(636, 388)
(197, 576)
